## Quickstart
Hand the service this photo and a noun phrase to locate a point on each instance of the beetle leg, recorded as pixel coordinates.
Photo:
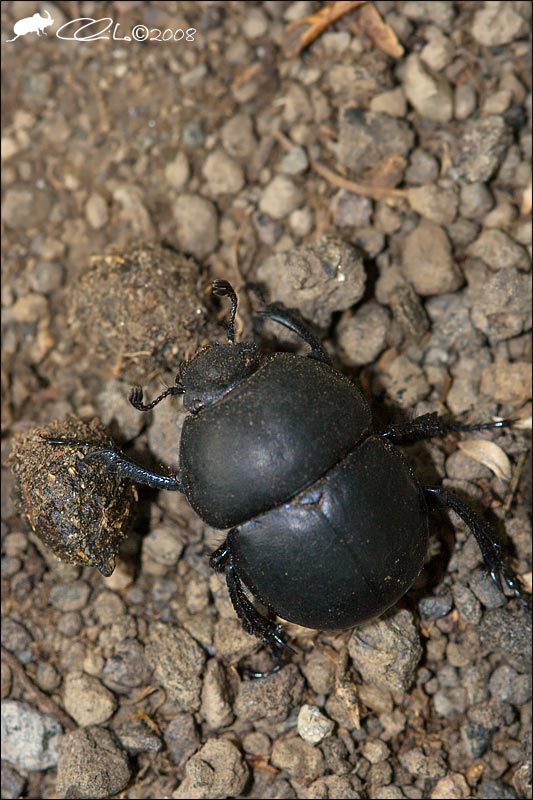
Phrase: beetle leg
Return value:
(428, 426)
(253, 622)
(117, 462)
(438, 497)
(219, 559)
(291, 320)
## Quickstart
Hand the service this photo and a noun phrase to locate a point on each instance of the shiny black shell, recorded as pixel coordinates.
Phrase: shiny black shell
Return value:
(343, 550)
(275, 433)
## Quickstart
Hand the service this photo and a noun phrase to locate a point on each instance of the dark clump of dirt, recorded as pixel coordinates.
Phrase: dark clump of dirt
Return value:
(77, 507)
(151, 310)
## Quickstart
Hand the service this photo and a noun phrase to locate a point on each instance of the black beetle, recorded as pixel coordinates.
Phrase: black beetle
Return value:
(328, 523)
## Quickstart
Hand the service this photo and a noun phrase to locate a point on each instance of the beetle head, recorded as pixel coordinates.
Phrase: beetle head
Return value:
(216, 370)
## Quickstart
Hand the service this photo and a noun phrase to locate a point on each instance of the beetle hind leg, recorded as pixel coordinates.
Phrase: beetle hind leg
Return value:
(252, 620)
(499, 571)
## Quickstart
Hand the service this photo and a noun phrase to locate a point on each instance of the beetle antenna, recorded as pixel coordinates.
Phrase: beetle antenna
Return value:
(222, 288)
(136, 397)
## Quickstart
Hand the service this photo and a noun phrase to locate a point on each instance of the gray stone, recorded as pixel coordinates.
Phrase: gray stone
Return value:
(294, 162)
(418, 764)
(501, 306)
(427, 261)
(362, 336)
(501, 22)
(181, 738)
(87, 700)
(464, 101)
(365, 138)
(96, 211)
(430, 94)
(127, 667)
(224, 175)
(197, 224)
(238, 136)
(302, 761)
(435, 204)
(499, 251)
(482, 148)
(91, 764)
(178, 663)
(476, 201)
(217, 770)
(216, 706)
(280, 197)
(404, 382)
(177, 171)
(317, 278)
(70, 596)
(387, 651)
(313, 726)
(30, 739)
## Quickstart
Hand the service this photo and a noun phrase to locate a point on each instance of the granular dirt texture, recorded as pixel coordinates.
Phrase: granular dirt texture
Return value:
(77, 508)
(378, 181)
(144, 309)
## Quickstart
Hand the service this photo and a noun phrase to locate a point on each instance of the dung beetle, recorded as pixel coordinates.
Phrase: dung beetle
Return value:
(328, 525)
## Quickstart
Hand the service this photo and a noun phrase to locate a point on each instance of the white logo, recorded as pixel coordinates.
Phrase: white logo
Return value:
(35, 24)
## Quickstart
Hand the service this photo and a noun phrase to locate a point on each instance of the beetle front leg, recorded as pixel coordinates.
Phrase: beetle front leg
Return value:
(438, 497)
(291, 320)
(124, 466)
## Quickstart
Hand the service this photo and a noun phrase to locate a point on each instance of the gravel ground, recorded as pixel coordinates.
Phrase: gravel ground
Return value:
(388, 198)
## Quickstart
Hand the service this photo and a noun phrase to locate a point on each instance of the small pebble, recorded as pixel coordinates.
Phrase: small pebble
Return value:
(224, 175)
(217, 770)
(216, 705)
(362, 336)
(181, 738)
(294, 162)
(87, 700)
(366, 137)
(30, 739)
(46, 277)
(499, 251)
(429, 93)
(91, 764)
(482, 148)
(163, 546)
(178, 663)
(387, 651)
(196, 224)
(29, 308)
(127, 667)
(421, 766)
(317, 278)
(433, 203)
(177, 171)
(238, 136)
(498, 23)
(301, 222)
(280, 197)
(435, 275)
(452, 787)
(464, 101)
(96, 211)
(70, 596)
(301, 760)
(313, 726)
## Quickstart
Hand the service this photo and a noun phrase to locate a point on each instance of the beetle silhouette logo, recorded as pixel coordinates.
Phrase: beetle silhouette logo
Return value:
(35, 24)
